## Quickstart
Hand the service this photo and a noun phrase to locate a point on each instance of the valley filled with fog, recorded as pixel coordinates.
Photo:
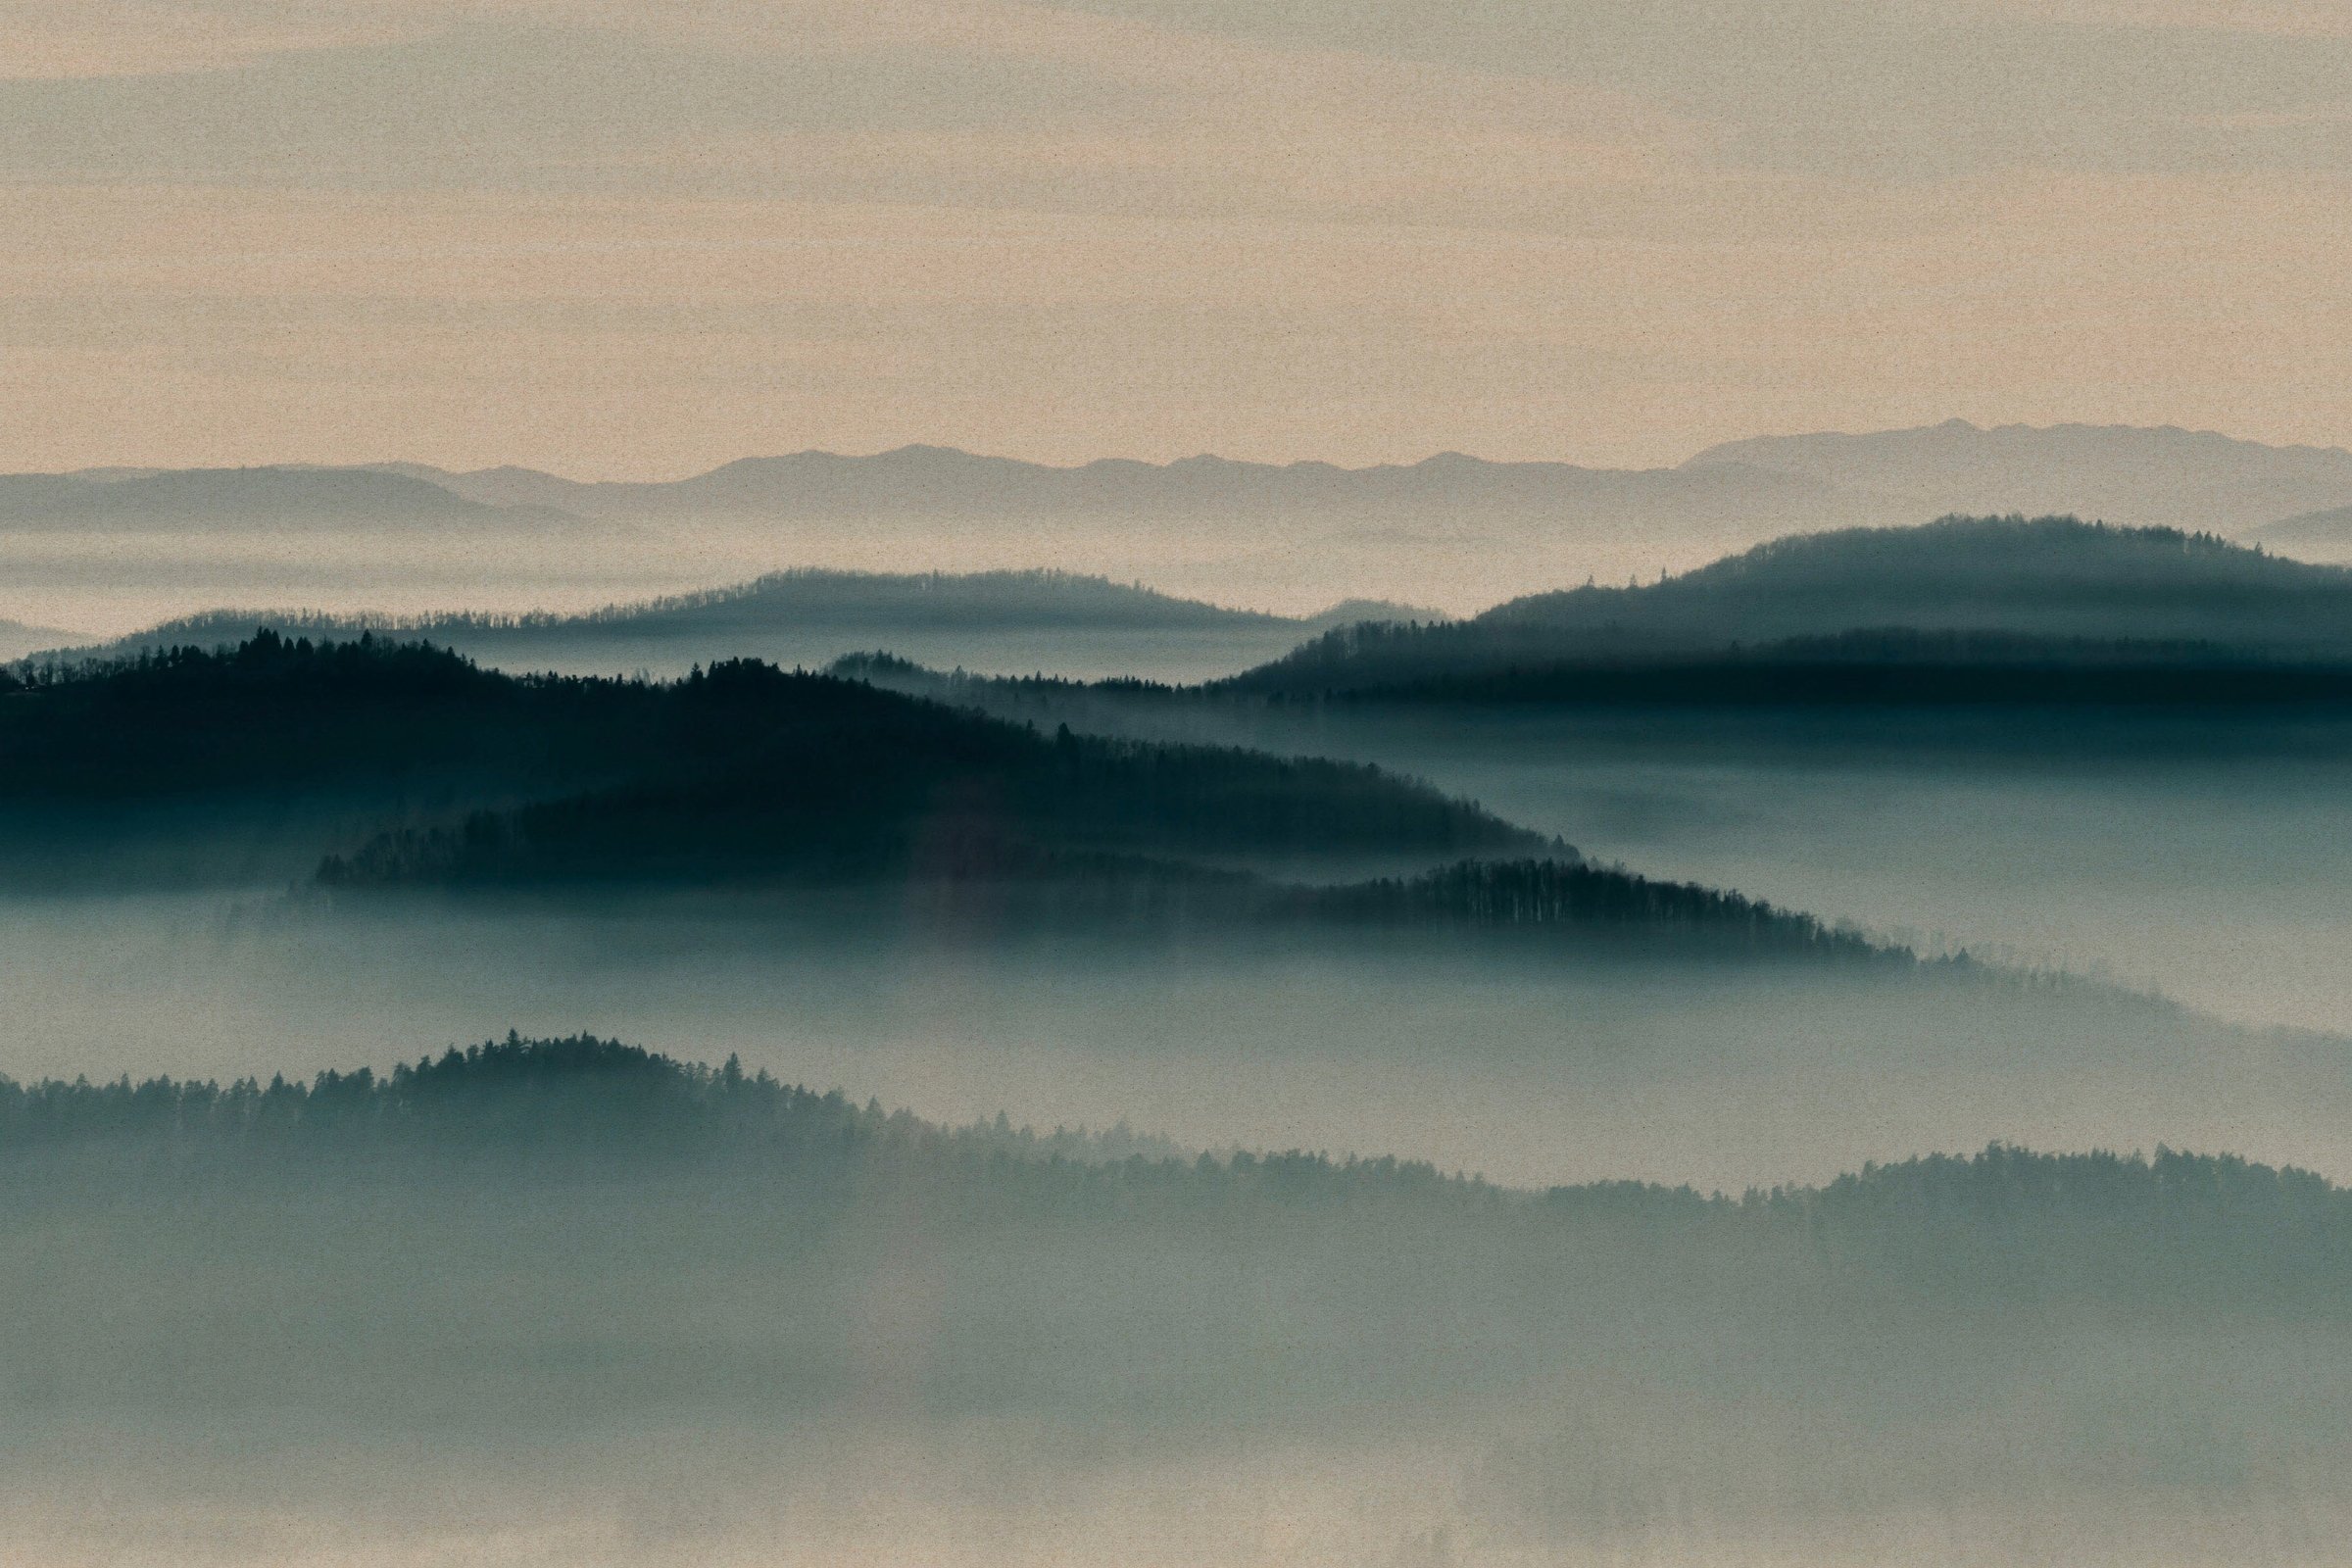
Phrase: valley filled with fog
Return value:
(1175, 784)
(1690, 1070)
(1534, 1062)
(2203, 865)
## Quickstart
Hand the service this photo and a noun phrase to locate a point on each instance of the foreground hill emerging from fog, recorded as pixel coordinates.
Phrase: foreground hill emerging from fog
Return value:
(1964, 591)
(541, 1102)
(563, 1241)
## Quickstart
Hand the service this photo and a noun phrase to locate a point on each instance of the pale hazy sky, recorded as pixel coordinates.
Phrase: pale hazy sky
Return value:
(638, 239)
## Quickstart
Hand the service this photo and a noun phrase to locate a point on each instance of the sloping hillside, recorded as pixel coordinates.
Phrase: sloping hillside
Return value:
(740, 765)
(2048, 577)
(1019, 620)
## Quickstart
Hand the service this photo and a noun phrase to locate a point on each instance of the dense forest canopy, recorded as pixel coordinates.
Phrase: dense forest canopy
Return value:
(746, 777)
(742, 757)
(732, 774)
(277, 714)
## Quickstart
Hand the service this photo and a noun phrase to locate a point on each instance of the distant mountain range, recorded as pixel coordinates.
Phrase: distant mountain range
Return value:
(2189, 479)
(2164, 477)
(1459, 531)
(939, 482)
(2195, 480)
(289, 497)
(921, 483)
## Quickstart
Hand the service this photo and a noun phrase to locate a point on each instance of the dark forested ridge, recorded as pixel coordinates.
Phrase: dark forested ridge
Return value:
(521, 1101)
(279, 713)
(2053, 576)
(2000, 1222)
(2094, 595)
(739, 765)
(1538, 894)
(744, 776)
(759, 773)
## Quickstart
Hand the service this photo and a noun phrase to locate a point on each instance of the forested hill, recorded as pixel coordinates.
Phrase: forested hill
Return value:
(630, 838)
(520, 1100)
(558, 1242)
(2047, 577)
(736, 762)
(2005, 1222)
(749, 778)
(804, 597)
(725, 622)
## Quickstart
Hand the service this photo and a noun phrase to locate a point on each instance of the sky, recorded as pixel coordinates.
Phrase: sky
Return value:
(636, 240)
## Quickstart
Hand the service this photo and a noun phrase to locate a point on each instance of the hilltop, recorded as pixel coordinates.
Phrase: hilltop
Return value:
(799, 598)
(1454, 530)
(2072, 584)
(1017, 619)
(564, 1239)
(740, 765)
(746, 777)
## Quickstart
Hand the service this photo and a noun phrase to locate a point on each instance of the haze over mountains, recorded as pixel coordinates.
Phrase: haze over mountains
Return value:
(223, 865)
(940, 484)
(287, 817)
(2198, 480)
(113, 549)
(1978, 728)
(664, 1269)
(291, 497)
(1012, 621)
(2192, 479)
(732, 868)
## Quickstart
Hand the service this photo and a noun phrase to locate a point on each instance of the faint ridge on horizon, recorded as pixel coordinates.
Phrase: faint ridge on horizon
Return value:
(2152, 475)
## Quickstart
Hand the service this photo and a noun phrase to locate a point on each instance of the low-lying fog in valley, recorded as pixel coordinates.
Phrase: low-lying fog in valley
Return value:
(1175, 784)
(1534, 1059)
(2203, 861)
(104, 585)
(1163, 1216)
